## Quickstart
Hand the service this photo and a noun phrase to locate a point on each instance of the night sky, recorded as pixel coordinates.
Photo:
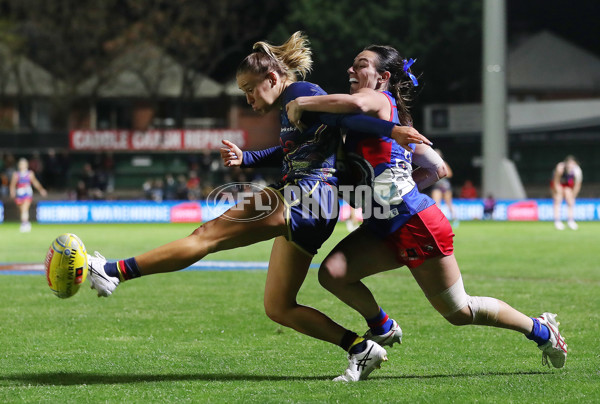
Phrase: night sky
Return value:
(577, 21)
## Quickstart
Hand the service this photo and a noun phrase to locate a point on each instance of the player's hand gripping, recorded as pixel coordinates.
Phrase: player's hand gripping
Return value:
(404, 135)
(231, 154)
(294, 113)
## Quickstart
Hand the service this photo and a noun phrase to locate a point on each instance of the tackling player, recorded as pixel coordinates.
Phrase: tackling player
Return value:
(416, 233)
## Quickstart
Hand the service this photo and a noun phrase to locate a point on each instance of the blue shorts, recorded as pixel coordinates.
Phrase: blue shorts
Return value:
(311, 212)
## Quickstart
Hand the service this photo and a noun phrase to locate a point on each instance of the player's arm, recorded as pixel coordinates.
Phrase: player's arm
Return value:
(431, 168)
(271, 157)
(36, 184)
(233, 156)
(558, 172)
(366, 101)
(578, 180)
(403, 135)
(13, 184)
(449, 172)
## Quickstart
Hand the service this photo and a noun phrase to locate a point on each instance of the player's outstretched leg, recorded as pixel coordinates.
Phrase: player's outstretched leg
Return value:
(440, 280)
(238, 227)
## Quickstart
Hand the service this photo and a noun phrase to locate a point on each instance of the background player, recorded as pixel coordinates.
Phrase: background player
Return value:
(22, 192)
(566, 184)
(442, 191)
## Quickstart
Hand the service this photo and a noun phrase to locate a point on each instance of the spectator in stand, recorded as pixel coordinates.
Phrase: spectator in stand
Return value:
(157, 191)
(3, 184)
(81, 192)
(3, 178)
(468, 190)
(108, 167)
(95, 183)
(9, 164)
(52, 169)
(65, 167)
(147, 187)
(170, 188)
(205, 160)
(194, 191)
(36, 165)
(182, 191)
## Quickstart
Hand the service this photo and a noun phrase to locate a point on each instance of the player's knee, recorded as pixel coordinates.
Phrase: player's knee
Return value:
(479, 310)
(276, 313)
(205, 236)
(461, 309)
(335, 265)
(332, 271)
(484, 310)
(325, 278)
(460, 317)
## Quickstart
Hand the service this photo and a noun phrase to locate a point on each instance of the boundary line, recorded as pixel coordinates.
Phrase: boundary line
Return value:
(8, 268)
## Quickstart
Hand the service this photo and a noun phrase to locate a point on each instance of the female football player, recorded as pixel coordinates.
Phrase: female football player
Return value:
(268, 78)
(566, 183)
(418, 235)
(22, 192)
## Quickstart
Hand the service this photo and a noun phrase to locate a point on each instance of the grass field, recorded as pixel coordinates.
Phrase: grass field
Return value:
(200, 336)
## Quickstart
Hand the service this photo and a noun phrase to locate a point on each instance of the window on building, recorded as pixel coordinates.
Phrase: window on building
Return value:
(113, 114)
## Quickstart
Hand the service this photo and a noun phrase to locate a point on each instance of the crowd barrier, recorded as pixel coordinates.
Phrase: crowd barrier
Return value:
(201, 211)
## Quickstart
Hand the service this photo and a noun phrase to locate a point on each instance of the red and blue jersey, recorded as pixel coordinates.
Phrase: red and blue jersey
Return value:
(386, 167)
(23, 188)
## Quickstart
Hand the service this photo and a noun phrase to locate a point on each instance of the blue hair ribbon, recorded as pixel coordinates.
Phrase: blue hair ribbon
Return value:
(407, 64)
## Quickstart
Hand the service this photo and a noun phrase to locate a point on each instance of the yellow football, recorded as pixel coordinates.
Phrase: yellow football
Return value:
(66, 265)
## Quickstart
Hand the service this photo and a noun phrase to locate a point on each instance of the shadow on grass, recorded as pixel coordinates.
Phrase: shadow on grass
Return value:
(75, 378)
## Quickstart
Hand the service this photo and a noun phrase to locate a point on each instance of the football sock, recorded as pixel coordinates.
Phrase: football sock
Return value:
(123, 269)
(380, 324)
(359, 345)
(352, 343)
(540, 333)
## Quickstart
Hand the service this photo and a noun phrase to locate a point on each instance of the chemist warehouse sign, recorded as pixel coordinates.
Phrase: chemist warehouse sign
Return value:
(174, 139)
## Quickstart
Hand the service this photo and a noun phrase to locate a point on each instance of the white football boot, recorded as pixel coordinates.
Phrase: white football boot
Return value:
(25, 227)
(394, 335)
(572, 225)
(555, 348)
(559, 225)
(105, 285)
(362, 364)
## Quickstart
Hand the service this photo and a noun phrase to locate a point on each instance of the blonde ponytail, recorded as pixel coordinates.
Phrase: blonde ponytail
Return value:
(290, 59)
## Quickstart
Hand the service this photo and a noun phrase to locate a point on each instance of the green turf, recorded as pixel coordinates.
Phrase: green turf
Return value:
(203, 336)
